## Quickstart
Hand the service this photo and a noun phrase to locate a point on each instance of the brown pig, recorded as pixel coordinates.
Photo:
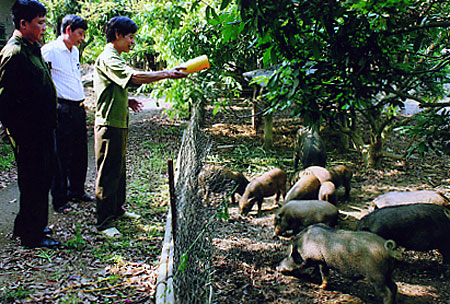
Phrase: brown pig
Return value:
(296, 215)
(352, 253)
(218, 179)
(307, 187)
(327, 192)
(339, 175)
(395, 198)
(268, 184)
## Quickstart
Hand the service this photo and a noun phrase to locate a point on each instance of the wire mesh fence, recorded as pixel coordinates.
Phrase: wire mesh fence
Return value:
(201, 193)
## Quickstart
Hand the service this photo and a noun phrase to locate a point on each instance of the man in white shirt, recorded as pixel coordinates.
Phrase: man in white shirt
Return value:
(62, 56)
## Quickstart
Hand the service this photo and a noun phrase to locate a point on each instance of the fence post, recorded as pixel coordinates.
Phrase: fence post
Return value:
(172, 197)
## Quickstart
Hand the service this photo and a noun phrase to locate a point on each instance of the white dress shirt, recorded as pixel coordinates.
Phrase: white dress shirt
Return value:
(65, 69)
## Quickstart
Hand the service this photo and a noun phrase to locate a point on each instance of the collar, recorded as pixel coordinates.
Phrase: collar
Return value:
(19, 37)
(61, 44)
(110, 47)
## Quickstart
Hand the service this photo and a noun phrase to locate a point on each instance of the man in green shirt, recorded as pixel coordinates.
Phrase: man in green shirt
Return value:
(28, 112)
(112, 77)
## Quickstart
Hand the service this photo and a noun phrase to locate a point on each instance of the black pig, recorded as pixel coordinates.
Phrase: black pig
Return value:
(352, 253)
(418, 227)
(296, 215)
(309, 149)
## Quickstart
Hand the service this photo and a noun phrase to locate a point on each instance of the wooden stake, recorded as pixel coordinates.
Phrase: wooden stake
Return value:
(173, 207)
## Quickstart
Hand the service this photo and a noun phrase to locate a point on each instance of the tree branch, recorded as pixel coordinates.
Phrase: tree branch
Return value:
(413, 28)
(435, 105)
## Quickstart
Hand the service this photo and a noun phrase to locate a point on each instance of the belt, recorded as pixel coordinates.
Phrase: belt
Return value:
(71, 102)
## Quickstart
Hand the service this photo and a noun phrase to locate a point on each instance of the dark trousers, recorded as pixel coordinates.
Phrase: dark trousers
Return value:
(35, 165)
(71, 152)
(110, 185)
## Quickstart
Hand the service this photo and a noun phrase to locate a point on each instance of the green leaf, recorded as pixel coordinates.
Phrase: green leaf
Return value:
(183, 262)
(224, 4)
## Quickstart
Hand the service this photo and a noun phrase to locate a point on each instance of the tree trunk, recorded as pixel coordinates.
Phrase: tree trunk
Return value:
(256, 117)
(375, 151)
(268, 132)
(371, 153)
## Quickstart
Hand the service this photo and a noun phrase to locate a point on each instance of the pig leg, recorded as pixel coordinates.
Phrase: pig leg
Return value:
(324, 272)
(259, 202)
(393, 288)
(445, 254)
(277, 198)
(283, 190)
(347, 190)
(385, 287)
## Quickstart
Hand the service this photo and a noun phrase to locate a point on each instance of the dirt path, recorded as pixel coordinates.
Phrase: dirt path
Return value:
(9, 196)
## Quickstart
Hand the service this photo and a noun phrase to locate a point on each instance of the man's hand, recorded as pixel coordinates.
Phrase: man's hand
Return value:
(177, 73)
(135, 105)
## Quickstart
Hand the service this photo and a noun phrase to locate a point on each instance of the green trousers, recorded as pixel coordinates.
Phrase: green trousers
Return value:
(110, 185)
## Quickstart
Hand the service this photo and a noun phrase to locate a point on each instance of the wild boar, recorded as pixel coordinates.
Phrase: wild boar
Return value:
(309, 148)
(307, 187)
(268, 184)
(352, 253)
(327, 192)
(296, 215)
(219, 179)
(339, 175)
(395, 198)
(417, 226)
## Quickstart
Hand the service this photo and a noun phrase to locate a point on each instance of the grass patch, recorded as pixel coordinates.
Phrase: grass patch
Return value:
(13, 295)
(251, 159)
(6, 156)
(147, 181)
(77, 242)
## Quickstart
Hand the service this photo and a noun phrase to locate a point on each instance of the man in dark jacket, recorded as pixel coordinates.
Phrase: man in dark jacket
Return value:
(28, 112)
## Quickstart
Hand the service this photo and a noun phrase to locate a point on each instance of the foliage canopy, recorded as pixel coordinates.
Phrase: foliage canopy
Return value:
(339, 62)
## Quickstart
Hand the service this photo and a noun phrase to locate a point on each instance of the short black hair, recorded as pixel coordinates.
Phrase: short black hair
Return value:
(121, 25)
(74, 22)
(27, 10)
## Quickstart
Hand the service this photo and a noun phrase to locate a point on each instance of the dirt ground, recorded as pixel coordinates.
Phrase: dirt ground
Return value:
(247, 253)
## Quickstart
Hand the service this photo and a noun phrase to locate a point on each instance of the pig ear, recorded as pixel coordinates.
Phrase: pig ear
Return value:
(291, 249)
(295, 255)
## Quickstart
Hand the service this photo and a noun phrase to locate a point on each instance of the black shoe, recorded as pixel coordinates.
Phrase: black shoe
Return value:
(63, 209)
(48, 231)
(84, 198)
(44, 242)
(101, 225)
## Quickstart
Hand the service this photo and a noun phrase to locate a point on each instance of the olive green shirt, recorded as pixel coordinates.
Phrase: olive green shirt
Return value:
(27, 93)
(111, 79)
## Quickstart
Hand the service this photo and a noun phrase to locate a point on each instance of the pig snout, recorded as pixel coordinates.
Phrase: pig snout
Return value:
(246, 205)
(287, 265)
(292, 262)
